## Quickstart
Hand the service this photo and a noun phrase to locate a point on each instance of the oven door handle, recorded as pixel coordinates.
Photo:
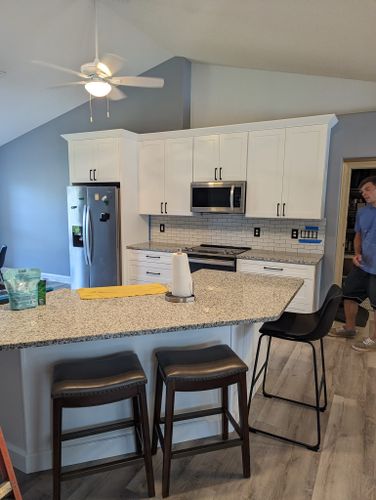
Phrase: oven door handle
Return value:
(232, 191)
(212, 262)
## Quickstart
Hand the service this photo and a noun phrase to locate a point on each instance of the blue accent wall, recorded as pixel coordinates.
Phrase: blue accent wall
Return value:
(354, 137)
(34, 167)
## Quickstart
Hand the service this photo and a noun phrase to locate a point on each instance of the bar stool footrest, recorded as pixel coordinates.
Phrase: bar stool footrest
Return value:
(101, 465)
(205, 448)
(313, 447)
(97, 429)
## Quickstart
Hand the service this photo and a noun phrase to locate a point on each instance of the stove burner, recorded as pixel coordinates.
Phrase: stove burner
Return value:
(218, 250)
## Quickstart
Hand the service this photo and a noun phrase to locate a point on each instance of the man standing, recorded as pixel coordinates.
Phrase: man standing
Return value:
(361, 281)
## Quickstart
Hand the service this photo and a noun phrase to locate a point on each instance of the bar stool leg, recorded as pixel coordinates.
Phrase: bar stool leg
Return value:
(243, 420)
(224, 415)
(137, 427)
(323, 408)
(56, 457)
(157, 411)
(146, 436)
(266, 394)
(169, 415)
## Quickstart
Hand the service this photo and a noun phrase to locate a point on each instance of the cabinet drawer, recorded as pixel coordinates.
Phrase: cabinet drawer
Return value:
(149, 257)
(139, 272)
(304, 301)
(276, 268)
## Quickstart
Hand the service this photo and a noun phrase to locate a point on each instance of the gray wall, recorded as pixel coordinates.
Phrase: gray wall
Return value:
(34, 167)
(354, 136)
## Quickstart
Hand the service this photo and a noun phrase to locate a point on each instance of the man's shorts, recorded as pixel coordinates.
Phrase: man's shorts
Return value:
(360, 285)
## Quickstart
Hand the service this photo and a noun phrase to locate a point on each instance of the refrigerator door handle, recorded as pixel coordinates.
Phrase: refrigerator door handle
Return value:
(89, 237)
(84, 233)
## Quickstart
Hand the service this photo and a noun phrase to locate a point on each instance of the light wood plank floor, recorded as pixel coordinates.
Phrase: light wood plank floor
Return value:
(344, 469)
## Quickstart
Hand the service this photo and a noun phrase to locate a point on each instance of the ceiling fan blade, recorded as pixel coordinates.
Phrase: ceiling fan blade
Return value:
(103, 70)
(116, 94)
(113, 62)
(68, 84)
(138, 81)
(60, 68)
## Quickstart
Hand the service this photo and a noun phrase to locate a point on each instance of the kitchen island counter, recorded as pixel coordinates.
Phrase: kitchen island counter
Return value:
(222, 299)
(229, 309)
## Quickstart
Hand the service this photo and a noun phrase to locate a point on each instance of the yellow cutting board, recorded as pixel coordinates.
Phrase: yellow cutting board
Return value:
(115, 292)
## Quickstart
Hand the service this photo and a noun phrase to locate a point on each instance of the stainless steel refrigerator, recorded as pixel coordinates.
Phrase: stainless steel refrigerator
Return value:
(94, 240)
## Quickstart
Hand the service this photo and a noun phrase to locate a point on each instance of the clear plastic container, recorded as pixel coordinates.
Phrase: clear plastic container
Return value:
(22, 287)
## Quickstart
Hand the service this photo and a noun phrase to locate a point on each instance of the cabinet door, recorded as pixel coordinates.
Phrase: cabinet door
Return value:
(304, 174)
(107, 160)
(206, 158)
(81, 160)
(151, 178)
(264, 173)
(178, 176)
(233, 157)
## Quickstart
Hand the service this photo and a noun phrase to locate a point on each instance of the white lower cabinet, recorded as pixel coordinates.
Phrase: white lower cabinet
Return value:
(149, 267)
(306, 300)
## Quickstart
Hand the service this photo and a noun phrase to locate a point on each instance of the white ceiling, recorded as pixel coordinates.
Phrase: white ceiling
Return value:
(317, 37)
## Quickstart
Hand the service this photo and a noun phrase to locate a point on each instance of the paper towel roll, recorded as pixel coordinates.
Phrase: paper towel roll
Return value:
(182, 285)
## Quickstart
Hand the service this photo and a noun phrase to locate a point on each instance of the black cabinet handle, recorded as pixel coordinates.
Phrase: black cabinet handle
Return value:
(220, 173)
(95, 174)
(165, 207)
(215, 174)
(154, 274)
(278, 209)
(161, 207)
(153, 257)
(283, 209)
(91, 174)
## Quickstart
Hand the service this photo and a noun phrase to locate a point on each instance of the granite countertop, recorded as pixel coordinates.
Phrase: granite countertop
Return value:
(255, 254)
(287, 257)
(222, 298)
(158, 246)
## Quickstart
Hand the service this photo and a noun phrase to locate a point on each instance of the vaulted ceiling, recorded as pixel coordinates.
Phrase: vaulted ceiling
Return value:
(316, 37)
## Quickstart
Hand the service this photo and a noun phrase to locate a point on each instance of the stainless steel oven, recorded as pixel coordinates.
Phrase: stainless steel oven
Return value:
(220, 258)
(218, 197)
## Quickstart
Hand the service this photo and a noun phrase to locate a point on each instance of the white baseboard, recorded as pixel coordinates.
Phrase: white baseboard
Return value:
(57, 277)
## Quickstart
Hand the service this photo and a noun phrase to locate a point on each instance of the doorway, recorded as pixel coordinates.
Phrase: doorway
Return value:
(354, 171)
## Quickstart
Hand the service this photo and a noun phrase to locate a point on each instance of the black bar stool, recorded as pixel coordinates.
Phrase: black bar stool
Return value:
(98, 381)
(215, 367)
(300, 328)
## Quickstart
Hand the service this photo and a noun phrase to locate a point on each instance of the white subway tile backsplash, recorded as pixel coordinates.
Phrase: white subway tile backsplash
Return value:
(236, 230)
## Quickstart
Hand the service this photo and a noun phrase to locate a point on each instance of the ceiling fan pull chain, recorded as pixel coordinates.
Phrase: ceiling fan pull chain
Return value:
(108, 107)
(91, 109)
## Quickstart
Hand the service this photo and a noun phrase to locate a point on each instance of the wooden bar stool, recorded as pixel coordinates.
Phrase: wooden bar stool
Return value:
(98, 381)
(9, 482)
(215, 367)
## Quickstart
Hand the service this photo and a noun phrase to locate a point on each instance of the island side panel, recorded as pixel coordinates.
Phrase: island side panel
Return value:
(36, 366)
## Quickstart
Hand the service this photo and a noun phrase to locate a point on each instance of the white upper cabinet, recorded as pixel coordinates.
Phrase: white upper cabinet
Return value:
(165, 176)
(220, 157)
(178, 176)
(304, 172)
(94, 160)
(265, 171)
(286, 173)
(151, 177)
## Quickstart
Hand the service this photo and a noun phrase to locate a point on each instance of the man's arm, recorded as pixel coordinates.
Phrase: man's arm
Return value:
(357, 259)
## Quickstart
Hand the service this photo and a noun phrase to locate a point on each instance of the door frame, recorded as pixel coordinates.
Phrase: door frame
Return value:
(348, 166)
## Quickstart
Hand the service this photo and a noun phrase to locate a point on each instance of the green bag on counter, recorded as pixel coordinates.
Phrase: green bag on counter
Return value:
(22, 287)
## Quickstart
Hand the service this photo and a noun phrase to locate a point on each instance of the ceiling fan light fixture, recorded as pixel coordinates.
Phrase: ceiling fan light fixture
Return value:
(98, 88)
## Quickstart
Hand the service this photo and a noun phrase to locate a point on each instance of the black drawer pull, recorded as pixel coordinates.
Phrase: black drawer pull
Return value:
(155, 274)
(153, 256)
(273, 268)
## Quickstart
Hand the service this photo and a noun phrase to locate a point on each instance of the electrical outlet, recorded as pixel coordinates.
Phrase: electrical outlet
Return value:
(294, 234)
(161, 228)
(257, 232)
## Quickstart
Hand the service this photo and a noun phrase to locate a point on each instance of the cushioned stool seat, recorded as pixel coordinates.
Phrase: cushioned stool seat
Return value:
(93, 382)
(200, 364)
(215, 367)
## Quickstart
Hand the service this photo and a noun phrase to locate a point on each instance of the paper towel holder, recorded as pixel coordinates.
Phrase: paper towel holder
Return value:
(179, 300)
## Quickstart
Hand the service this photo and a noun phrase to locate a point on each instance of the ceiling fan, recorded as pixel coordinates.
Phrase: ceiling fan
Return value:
(98, 76)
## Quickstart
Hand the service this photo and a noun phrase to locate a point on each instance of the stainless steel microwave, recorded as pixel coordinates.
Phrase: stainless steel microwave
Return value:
(218, 197)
